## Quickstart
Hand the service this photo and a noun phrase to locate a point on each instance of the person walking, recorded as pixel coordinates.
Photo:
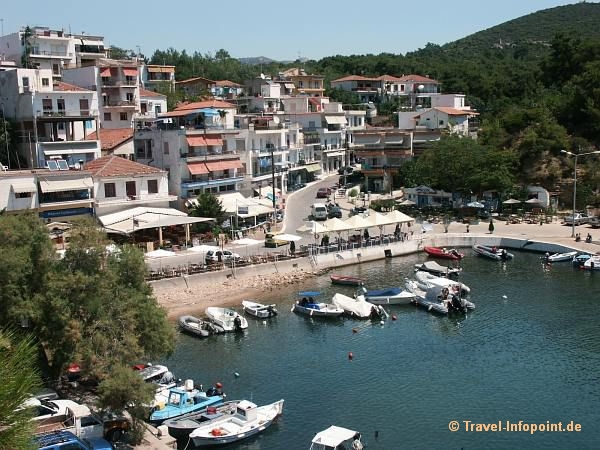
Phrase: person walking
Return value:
(491, 227)
(292, 248)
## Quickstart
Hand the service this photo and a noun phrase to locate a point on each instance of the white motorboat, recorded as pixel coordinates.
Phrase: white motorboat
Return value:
(425, 278)
(388, 296)
(560, 257)
(228, 319)
(309, 306)
(431, 298)
(248, 420)
(358, 307)
(259, 310)
(593, 263)
(437, 269)
(499, 254)
(337, 438)
(198, 327)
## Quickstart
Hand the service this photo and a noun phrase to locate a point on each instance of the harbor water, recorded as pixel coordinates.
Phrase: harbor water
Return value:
(530, 352)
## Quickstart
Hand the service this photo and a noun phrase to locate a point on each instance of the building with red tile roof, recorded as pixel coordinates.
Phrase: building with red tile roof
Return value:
(114, 141)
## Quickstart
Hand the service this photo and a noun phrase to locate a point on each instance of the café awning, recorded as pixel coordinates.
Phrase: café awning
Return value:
(214, 166)
(130, 72)
(77, 184)
(312, 167)
(197, 168)
(335, 120)
(23, 186)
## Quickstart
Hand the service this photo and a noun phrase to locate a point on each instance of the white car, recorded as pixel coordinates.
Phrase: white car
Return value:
(580, 219)
(220, 255)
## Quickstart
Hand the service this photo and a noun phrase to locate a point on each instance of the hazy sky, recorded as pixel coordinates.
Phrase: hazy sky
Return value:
(278, 30)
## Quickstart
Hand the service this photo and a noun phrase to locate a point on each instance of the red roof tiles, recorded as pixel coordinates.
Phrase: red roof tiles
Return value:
(111, 138)
(116, 166)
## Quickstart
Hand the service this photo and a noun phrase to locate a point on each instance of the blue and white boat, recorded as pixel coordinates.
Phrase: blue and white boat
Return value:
(310, 306)
(389, 296)
(183, 400)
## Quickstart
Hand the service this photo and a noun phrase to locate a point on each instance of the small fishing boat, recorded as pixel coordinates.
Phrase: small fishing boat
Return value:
(198, 327)
(437, 269)
(228, 319)
(248, 420)
(259, 310)
(358, 307)
(498, 254)
(443, 253)
(337, 438)
(183, 400)
(309, 306)
(580, 259)
(346, 280)
(433, 300)
(181, 427)
(425, 278)
(388, 296)
(593, 263)
(560, 257)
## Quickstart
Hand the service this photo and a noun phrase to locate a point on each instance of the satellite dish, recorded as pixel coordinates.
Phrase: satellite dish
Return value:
(421, 87)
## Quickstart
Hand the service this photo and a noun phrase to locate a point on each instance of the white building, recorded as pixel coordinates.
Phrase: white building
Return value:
(18, 191)
(52, 116)
(120, 184)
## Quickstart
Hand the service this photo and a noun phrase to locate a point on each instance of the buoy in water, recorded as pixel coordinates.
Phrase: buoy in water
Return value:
(382, 322)
(235, 374)
(350, 356)
(394, 317)
(504, 296)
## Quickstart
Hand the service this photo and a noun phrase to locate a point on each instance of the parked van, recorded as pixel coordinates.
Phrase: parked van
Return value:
(318, 211)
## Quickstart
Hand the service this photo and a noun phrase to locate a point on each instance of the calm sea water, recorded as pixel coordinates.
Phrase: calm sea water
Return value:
(530, 352)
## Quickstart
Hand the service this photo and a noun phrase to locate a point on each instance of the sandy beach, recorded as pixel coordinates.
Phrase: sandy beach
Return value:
(206, 291)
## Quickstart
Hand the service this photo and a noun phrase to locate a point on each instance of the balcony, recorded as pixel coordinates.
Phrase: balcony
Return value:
(145, 198)
(51, 55)
(120, 104)
(66, 113)
(116, 83)
(192, 157)
(205, 182)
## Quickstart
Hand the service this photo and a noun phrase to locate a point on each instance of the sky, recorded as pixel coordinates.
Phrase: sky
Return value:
(310, 29)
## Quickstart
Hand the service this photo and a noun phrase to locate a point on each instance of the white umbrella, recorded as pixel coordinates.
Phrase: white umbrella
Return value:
(160, 253)
(357, 222)
(335, 224)
(407, 202)
(312, 227)
(376, 219)
(399, 217)
(475, 205)
(246, 242)
(202, 248)
(511, 201)
(533, 201)
(287, 237)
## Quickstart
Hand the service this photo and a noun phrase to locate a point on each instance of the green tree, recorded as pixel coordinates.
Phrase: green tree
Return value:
(208, 205)
(19, 380)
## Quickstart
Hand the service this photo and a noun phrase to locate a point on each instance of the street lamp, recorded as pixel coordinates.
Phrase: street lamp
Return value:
(576, 155)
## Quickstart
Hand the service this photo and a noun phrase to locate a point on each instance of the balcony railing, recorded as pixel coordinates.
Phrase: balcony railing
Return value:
(67, 113)
(119, 103)
(111, 82)
(44, 53)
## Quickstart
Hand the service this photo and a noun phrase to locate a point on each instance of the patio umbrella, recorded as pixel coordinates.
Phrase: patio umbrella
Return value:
(407, 202)
(336, 224)
(475, 205)
(287, 237)
(357, 222)
(246, 242)
(312, 227)
(399, 217)
(511, 201)
(160, 253)
(533, 201)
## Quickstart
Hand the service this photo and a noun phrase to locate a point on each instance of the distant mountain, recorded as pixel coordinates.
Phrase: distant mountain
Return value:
(535, 29)
(255, 60)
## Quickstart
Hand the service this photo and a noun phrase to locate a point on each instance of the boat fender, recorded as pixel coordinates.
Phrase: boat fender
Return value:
(160, 405)
(216, 432)
(350, 356)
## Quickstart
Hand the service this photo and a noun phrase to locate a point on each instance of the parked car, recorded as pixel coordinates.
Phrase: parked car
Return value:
(580, 219)
(334, 211)
(68, 441)
(323, 192)
(220, 255)
(358, 210)
(594, 221)
(345, 170)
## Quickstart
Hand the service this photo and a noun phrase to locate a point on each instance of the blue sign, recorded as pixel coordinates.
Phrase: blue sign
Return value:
(66, 212)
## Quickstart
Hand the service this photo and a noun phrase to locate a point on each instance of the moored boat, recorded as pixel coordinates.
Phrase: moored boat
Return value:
(248, 420)
(424, 278)
(346, 280)
(593, 263)
(560, 257)
(358, 307)
(437, 269)
(181, 427)
(580, 259)
(388, 296)
(259, 310)
(443, 253)
(198, 327)
(498, 254)
(182, 400)
(439, 298)
(309, 306)
(228, 319)
(337, 438)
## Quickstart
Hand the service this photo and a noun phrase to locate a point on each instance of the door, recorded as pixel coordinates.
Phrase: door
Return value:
(130, 189)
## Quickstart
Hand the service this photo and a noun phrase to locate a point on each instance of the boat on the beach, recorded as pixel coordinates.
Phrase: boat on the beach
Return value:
(259, 310)
(388, 296)
(248, 420)
(183, 400)
(309, 306)
(443, 253)
(337, 438)
(346, 280)
(198, 327)
(181, 427)
(560, 257)
(425, 278)
(431, 298)
(358, 307)
(498, 254)
(226, 318)
(437, 269)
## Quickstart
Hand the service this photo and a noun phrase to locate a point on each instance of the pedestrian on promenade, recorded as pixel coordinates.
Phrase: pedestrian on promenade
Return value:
(491, 227)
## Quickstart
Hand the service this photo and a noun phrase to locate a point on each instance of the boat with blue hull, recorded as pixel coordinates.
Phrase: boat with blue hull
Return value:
(308, 305)
(184, 400)
(388, 296)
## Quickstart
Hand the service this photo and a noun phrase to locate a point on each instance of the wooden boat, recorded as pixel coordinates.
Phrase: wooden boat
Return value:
(248, 420)
(181, 427)
(443, 253)
(309, 306)
(560, 257)
(498, 254)
(336, 438)
(346, 280)
(198, 327)
(259, 310)
(228, 319)
(183, 400)
(437, 269)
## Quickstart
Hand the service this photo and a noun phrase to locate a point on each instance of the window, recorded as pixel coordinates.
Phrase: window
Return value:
(166, 148)
(152, 186)
(110, 190)
(123, 116)
(45, 81)
(25, 81)
(23, 195)
(157, 109)
(55, 69)
(129, 97)
(60, 105)
(47, 106)
(130, 189)
(107, 117)
(84, 107)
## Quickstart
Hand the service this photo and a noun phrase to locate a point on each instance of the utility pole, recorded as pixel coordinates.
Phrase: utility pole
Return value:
(273, 184)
